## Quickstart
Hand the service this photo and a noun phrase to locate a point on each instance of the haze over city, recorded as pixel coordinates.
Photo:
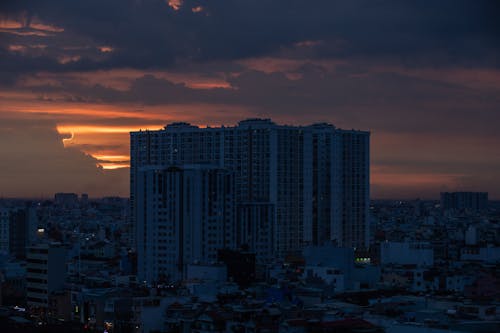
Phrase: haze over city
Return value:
(77, 77)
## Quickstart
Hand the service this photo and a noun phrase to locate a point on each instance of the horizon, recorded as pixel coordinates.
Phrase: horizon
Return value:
(51, 198)
(423, 78)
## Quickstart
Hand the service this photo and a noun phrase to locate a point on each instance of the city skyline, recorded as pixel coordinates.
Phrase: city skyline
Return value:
(423, 78)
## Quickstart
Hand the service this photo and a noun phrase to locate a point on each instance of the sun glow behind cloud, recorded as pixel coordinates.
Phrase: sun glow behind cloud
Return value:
(101, 129)
(82, 137)
(67, 141)
(112, 161)
(95, 129)
(90, 126)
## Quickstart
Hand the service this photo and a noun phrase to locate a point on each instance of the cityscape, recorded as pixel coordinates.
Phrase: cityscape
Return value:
(238, 167)
(254, 228)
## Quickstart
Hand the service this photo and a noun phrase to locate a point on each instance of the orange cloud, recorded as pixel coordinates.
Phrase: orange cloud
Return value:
(106, 49)
(197, 9)
(67, 141)
(175, 4)
(101, 129)
(121, 79)
(29, 104)
(17, 48)
(36, 24)
(28, 27)
(395, 176)
(25, 33)
(113, 166)
(10, 24)
(90, 139)
(113, 161)
(114, 158)
(403, 162)
(66, 59)
(287, 66)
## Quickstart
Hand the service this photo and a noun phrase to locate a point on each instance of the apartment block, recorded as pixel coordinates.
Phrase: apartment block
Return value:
(293, 185)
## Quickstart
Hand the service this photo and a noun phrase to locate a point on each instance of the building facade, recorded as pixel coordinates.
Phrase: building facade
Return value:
(185, 214)
(17, 230)
(407, 253)
(45, 273)
(293, 185)
(4, 230)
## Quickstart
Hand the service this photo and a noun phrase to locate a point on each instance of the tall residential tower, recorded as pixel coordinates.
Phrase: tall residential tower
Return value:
(292, 185)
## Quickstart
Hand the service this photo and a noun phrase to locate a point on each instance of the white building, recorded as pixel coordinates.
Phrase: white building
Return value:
(294, 185)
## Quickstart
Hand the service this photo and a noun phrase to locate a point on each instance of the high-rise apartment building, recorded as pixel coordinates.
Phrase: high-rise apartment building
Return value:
(354, 188)
(293, 185)
(185, 214)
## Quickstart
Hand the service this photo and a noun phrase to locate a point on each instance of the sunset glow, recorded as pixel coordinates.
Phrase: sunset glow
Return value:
(175, 4)
(77, 85)
(85, 129)
(89, 139)
(112, 162)
(270, 166)
(106, 49)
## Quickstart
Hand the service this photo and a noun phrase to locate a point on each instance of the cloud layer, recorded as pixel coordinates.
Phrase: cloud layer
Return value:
(35, 164)
(422, 76)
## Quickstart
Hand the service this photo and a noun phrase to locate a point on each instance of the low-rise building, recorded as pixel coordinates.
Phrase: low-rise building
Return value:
(46, 273)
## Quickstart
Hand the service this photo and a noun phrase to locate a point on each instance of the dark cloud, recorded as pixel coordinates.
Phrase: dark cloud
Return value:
(34, 162)
(150, 34)
(343, 96)
(372, 43)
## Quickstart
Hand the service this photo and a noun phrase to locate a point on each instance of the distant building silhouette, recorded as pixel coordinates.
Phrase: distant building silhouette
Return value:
(66, 200)
(4, 230)
(17, 230)
(46, 273)
(22, 231)
(293, 185)
(464, 201)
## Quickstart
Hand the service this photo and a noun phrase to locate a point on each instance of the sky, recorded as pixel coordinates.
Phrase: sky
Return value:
(76, 76)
